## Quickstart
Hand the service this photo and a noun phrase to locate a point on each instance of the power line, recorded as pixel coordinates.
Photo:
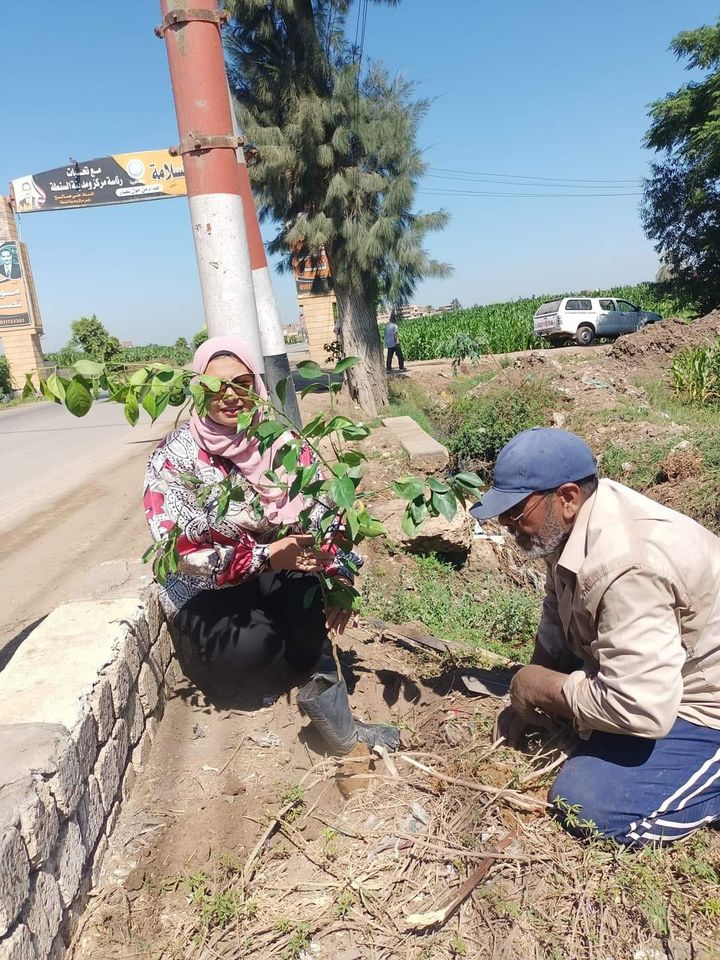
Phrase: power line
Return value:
(493, 193)
(559, 184)
(480, 175)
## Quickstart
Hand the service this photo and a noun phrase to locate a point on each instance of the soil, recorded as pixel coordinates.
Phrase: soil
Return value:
(343, 875)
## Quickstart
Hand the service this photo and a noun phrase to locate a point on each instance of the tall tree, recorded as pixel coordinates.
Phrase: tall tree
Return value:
(681, 203)
(337, 162)
(90, 335)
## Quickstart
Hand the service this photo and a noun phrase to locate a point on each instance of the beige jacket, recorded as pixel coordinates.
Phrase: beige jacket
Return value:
(635, 594)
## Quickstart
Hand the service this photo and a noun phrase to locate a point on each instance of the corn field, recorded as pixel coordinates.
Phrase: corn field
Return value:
(696, 375)
(505, 327)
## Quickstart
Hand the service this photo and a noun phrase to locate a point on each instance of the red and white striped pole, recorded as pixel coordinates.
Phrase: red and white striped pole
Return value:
(272, 340)
(191, 30)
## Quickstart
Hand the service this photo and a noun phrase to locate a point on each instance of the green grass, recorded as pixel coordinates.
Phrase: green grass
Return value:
(506, 327)
(477, 426)
(408, 400)
(433, 594)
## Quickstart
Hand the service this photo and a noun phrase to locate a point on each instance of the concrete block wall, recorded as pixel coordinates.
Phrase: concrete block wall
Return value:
(79, 708)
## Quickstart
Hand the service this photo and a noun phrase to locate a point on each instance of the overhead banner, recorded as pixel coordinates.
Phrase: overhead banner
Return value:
(121, 178)
(15, 303)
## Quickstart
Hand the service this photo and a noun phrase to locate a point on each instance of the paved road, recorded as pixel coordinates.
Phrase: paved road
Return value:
(70, 513)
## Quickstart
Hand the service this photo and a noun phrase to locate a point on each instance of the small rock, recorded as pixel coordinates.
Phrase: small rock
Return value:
(198, 731)
(558, 419)
(265, 739)
(682, 445)
(420, 813)
(627, 467)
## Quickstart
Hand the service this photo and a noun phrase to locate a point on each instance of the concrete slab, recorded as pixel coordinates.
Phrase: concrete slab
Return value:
(424, 451)
(61, 659)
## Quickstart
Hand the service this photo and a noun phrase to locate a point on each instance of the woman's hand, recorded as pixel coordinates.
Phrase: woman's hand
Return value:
(337, 619)
(298, 553)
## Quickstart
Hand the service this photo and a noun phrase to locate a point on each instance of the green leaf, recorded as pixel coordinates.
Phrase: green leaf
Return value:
(316, 427)
(244, 419)
(199, 398)
(436, 486)
(89, 368)
(445, 503)
(132, 410)
(29, 387)
(335, 387)
(56, 386)
(409, 488)
(469, 481)
(352, 457)
(355, 432)
(310, 388)
(290, 459)
(345, 364)
(268, 432)
(281, 390)
(370, 526)
(150, 405)
(342, 490)
(415, 512)
(309, 370)
(352, 520)
(160, 405)
(78, 398)
(212, 383)
(138, 378)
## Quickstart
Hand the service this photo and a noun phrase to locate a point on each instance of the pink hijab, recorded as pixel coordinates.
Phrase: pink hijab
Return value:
(222, 441)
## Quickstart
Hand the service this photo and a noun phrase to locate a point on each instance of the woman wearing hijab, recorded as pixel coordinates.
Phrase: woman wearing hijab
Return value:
(241, 593)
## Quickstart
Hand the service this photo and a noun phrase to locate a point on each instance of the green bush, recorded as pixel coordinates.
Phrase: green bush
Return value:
(5, 385)
(479, 425)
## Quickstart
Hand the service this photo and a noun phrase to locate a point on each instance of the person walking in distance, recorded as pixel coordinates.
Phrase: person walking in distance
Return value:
(392, 342)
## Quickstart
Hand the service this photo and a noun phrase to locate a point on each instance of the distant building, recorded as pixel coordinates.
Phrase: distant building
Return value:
(408, 311)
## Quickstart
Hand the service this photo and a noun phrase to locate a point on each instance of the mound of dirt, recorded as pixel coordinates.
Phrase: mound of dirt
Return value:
(667, 337)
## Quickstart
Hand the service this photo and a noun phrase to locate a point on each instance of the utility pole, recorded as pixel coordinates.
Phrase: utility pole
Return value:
(277, 365)
(191, 30)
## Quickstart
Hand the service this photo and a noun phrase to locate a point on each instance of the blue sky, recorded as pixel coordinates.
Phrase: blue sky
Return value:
(556, 90)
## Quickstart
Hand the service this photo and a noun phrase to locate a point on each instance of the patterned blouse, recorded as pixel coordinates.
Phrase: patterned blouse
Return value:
(213, 553)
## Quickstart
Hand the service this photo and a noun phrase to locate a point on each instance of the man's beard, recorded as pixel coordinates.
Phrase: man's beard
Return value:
(549, 539)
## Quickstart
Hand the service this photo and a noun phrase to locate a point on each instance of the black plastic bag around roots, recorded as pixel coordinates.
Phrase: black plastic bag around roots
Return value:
(324, 699)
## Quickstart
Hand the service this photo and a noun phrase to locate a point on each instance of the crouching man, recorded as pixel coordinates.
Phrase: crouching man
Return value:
(628, 647)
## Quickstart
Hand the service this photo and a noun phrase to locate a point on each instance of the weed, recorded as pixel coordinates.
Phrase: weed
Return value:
(330, 845)
(343, 903)
(409, 400)
(297, 943)
(479, 425)
(504, 621)
(457, 946)
(219, 909)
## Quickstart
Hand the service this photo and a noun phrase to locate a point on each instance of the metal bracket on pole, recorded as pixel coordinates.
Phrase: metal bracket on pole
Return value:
(198, 141)
(189, 16)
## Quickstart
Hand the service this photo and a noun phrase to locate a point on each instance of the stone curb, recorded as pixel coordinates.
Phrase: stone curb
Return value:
(79, 707)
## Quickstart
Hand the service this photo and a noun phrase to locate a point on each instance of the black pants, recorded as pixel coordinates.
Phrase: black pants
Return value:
(223, 635)
(391, 351)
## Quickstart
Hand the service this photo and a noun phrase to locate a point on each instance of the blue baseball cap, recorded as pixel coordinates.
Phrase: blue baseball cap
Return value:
(539, 459)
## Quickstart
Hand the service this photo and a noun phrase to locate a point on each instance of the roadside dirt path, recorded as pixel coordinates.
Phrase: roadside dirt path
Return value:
(82, 533)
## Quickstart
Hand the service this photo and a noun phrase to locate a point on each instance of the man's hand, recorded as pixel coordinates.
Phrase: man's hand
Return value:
(535, 696)
(298, 553)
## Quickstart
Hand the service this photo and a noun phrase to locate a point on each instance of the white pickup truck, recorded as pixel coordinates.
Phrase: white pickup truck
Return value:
(582, 319)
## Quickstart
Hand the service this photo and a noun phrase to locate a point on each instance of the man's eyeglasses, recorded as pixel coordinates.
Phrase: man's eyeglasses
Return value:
(525, 512)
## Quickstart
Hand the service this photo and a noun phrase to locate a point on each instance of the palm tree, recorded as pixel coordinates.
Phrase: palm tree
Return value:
(337, 163)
